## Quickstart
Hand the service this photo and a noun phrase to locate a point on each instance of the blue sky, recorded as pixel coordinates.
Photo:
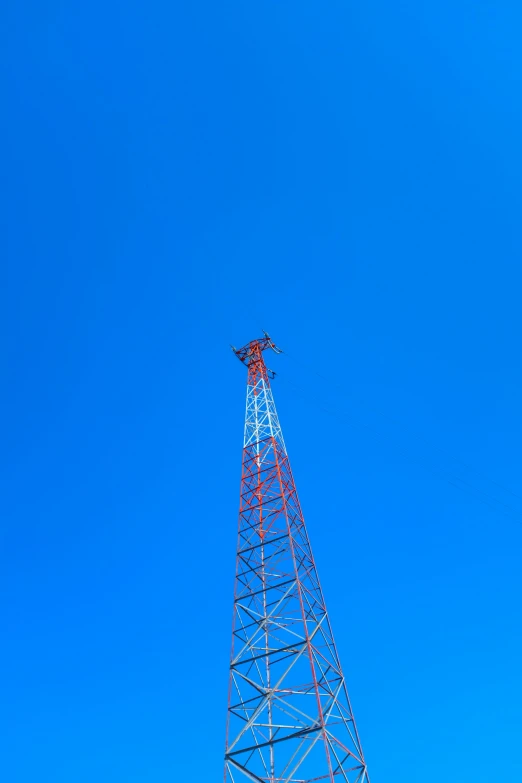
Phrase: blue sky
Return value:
(177, 177)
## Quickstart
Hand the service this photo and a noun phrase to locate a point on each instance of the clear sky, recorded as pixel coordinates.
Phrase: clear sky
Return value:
(176, 177)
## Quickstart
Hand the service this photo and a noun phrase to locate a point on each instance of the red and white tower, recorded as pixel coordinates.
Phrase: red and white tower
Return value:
(289, 715)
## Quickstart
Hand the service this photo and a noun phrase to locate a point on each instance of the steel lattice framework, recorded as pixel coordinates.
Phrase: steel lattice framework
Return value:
(289, 715)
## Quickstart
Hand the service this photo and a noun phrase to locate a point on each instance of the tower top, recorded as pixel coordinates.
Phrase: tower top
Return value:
(252, 355)
(251, 352)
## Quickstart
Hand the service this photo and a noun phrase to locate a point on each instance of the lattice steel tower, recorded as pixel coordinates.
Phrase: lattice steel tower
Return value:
(289, 715)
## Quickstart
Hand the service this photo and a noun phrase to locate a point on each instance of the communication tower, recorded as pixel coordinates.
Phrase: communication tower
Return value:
(289, 715)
